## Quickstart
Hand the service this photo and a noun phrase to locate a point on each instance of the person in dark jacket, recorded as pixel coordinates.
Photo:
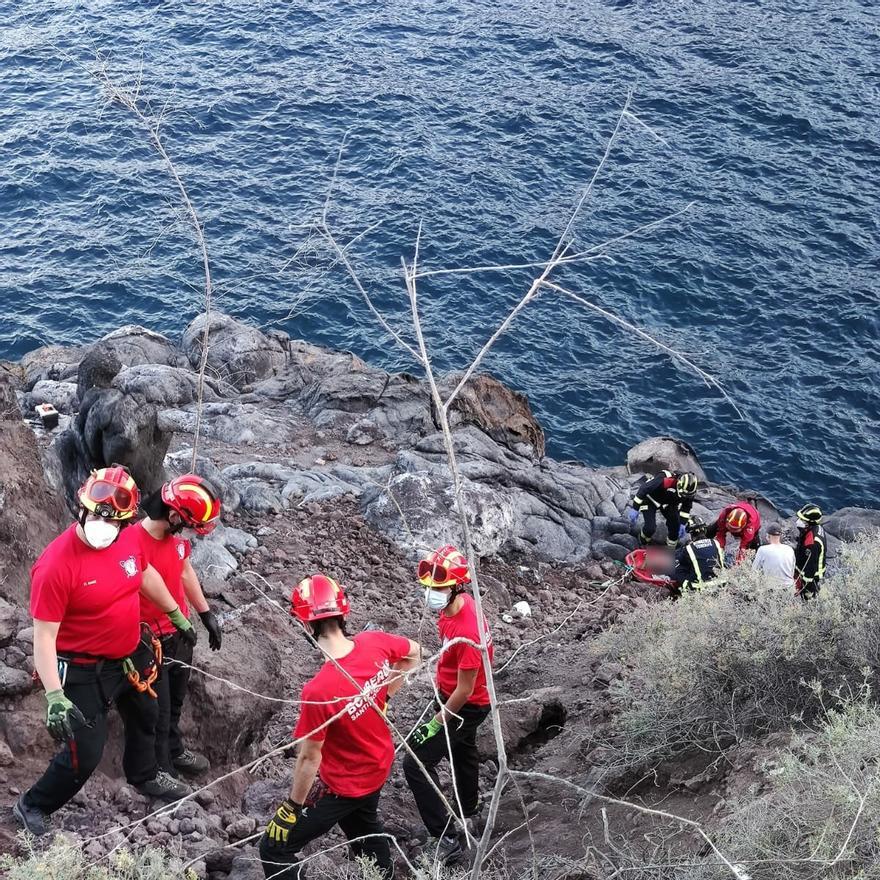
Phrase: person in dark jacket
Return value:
(670, 493)
(809, 552)
(699, 561)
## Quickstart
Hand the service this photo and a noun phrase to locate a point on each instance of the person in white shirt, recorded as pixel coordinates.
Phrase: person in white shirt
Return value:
(776, 559)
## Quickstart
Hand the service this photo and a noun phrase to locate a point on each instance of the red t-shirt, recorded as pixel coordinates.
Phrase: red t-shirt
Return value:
(167, 555)
(92, 593)
(358, 752)
(463, 656)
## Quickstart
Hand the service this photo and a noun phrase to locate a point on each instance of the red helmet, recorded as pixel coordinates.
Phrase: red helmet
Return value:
(317, 597)
(195, 501)
(736, 520)
(446, 567)
(110, 493)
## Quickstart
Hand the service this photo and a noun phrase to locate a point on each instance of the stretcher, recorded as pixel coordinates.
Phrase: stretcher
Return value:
(651, 565)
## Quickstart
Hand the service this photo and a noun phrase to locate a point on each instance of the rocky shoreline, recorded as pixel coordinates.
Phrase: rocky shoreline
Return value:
(324, 462)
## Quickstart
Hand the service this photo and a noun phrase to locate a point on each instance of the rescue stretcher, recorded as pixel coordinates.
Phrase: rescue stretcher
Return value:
(651, 565)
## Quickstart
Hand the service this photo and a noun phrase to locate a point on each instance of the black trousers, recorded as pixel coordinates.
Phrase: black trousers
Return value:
(93, 691)
(355, 816)
(171, 690)
(670, 514)
(465, 766)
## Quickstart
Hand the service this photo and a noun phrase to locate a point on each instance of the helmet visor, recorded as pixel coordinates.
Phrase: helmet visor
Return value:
(439, 574)
(117, 497)
(205, 528)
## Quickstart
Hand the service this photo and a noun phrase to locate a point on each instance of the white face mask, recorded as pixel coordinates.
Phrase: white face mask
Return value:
(100, 533)
(801, 524)
(436, 600)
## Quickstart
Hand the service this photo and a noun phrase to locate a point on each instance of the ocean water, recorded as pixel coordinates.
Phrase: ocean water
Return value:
(482, 122)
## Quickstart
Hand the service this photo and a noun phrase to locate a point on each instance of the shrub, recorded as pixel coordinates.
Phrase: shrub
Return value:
(64, 859)
(735, 661)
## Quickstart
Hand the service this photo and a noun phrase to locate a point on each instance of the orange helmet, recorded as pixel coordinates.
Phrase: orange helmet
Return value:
(317, 597)
(736, 520)
(110, 493)
(446, 567)
(195, 500)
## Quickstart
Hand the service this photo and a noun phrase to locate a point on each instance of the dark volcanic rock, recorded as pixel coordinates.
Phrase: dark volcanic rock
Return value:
(663, 453)
(237, 352)
(850, 522)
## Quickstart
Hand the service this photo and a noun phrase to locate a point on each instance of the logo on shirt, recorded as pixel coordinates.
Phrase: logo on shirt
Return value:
(129, 566)
(181, 551)
(369, 691)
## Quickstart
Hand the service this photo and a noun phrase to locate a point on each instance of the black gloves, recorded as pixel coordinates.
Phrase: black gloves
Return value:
(212, 625)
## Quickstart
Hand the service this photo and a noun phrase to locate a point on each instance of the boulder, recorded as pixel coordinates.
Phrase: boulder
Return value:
(97, 369)
(112, 427)
(238, 424)
(134, 345)
(664, 453)
(237, 352)
(56, 362)
(850, 522)
(226, 722)
(502, 413)
(168, 386)
(62, 395)
(14, 681)
(11, 621)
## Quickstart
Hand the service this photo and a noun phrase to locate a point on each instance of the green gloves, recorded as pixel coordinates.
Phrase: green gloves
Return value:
(61, 715)
(280, 825)
(424, 732)
(183, 626)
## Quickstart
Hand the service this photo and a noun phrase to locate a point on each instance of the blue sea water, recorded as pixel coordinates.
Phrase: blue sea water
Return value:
(483, 122)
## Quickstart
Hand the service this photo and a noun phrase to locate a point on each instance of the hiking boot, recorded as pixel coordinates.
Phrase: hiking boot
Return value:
(35, 821)
(447, 849)
(165, 787)
(191, 763)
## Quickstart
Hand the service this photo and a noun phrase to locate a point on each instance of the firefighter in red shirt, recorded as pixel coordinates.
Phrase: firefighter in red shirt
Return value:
(464, 700)
(347, 751)
(186, 502)
(740, 519)
(89, 651)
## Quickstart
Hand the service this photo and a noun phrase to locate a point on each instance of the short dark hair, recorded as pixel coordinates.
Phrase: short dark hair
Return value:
(320, 627)
(154, 507)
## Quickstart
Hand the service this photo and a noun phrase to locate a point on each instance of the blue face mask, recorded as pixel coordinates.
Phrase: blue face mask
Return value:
(437, 600)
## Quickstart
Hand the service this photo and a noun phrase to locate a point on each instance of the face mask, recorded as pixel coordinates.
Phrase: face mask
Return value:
(99, 533)
(801, 525)
(436, 600)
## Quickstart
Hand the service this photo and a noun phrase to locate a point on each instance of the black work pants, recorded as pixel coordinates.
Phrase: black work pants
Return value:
(356, 816)
(171, 689)
(93, 690)
(465, 767)
(673, 522)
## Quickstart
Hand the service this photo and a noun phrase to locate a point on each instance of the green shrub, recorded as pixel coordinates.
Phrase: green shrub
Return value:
(735, 661)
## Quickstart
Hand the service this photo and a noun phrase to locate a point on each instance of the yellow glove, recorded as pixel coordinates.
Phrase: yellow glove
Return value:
(280, 825)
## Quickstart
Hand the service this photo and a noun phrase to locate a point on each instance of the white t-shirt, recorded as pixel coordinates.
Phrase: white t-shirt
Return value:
(776, 561)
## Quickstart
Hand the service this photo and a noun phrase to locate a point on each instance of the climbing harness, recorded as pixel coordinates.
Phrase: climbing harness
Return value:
(143, 682)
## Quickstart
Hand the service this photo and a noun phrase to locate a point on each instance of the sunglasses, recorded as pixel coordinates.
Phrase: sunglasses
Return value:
(112, 497)
(438, 573)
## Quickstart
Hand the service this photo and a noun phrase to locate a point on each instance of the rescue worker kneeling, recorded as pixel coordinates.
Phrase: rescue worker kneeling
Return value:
(89, 650)
(699, 561)
(346, 751)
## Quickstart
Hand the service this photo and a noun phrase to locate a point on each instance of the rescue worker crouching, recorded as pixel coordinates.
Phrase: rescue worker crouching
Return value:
(186, 502)
(809, 552)
(699, 561)
(672, 494)
(346, 752)
(89, 651)
(740, 519)
(451, 731)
